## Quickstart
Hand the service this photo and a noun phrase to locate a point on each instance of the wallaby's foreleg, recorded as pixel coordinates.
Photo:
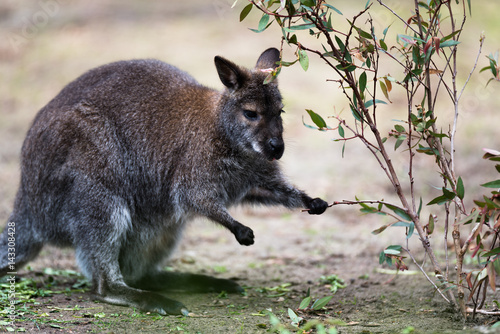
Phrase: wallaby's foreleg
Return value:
(172, 281)
(243, 234)
(218, 213)
(286, 195)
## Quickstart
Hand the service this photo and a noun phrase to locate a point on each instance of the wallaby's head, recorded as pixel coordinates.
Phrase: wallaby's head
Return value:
(251, 110)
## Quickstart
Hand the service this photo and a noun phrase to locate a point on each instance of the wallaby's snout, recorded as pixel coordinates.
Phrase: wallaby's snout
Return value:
(275, 147)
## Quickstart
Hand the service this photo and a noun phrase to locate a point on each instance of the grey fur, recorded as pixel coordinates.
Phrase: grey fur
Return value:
(124, 156)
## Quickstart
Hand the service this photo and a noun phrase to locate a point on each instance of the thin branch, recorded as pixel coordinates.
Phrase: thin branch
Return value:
(347, 202)
(485, 312)
(425, 274)
(481, 41)
(399, 17)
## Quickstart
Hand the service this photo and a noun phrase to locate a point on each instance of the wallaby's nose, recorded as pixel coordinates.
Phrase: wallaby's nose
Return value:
(277, 147)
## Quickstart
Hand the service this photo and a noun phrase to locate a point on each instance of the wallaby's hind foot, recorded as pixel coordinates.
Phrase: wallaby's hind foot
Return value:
(146, 301)
(172, 281)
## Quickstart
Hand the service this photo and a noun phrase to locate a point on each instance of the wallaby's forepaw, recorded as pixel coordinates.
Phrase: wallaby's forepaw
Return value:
(244, 235)
(317, 206)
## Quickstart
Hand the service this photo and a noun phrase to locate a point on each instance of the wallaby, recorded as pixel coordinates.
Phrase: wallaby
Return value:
(124, 156)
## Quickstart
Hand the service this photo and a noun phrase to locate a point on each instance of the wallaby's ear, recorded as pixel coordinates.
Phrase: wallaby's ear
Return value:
(229, 73)
(268, 59)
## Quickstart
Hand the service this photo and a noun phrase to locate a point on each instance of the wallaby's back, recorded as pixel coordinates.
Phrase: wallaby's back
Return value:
(131, 125)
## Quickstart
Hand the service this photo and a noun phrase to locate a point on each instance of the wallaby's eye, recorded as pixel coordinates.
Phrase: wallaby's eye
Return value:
(250, 115)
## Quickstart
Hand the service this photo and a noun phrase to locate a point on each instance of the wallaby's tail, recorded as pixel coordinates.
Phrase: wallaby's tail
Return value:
(17, 246)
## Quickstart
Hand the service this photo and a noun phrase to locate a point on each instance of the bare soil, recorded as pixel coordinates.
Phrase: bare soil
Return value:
(46, 47)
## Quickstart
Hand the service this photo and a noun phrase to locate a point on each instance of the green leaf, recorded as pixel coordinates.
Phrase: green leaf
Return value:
(484, 69)
(411, 228)
(399, 141)
(309, 126)
(492, 184)
(341, 131)
(305, 303)
(430, 226)
(399, 128)
(369, 103)
(490, 204)
(264, 20)
(303, 59)
(364, 34)
(293, 39)
(447, 37)
(244, 13)
(460, 188)
(287, 63)
(392, 252)
(300, 27)
(395, 247)
(383, 45)
(317, 119)
(381, 257)
(340, 44)
(362, 82)
(469, 219)
(419, 207)
(492, 252)
(398, 211)
(270, 78)
(449, 194)
(320, 303)
(384, 89)
(296, 320)
(356, 114)
(308, 3)
(439, 200)
(448, 43)
(380, 229)
(333, 8)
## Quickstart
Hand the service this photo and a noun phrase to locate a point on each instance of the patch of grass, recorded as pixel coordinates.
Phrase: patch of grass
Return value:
(276, 291)
(333, 282)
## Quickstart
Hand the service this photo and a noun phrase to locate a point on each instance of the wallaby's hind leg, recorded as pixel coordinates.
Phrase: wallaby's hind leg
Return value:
(18, 244)
(111, 289)
(99, 258)
(106, 220)
(172, 281)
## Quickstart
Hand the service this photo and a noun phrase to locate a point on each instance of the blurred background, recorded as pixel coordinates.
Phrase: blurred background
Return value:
(44, 44)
